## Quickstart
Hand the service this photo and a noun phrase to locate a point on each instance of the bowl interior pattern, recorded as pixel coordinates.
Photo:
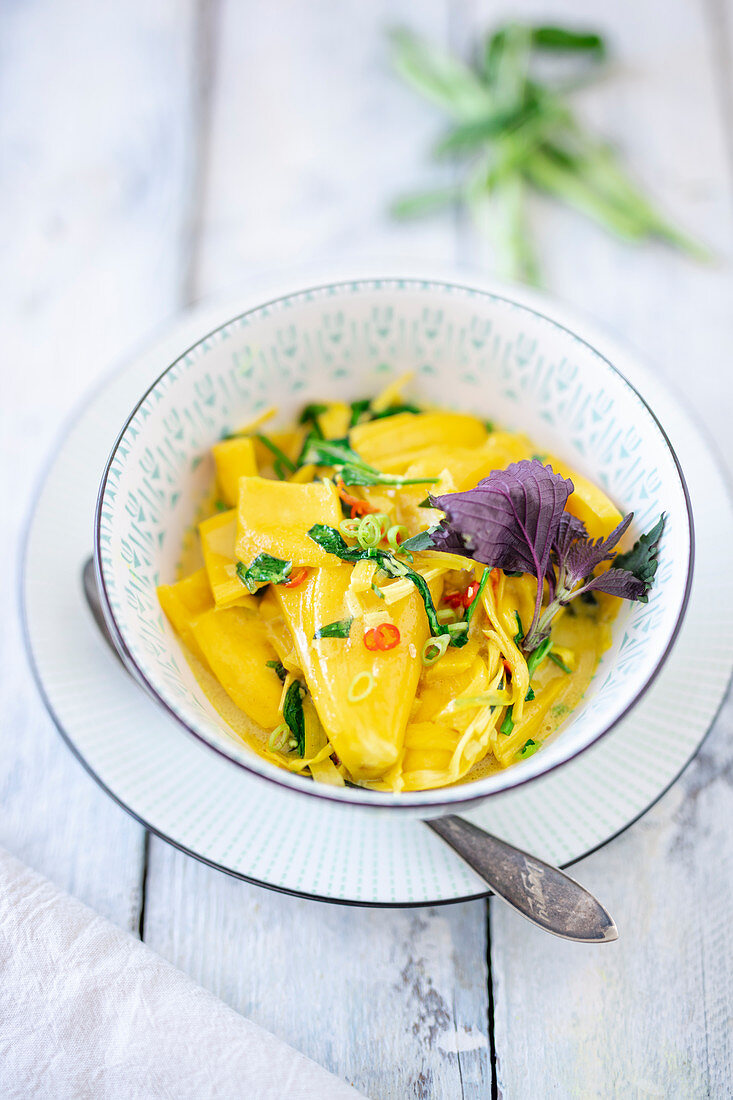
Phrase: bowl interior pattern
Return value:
(469, 350)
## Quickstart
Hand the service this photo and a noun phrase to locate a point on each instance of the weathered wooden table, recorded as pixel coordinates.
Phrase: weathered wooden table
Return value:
(156, 153)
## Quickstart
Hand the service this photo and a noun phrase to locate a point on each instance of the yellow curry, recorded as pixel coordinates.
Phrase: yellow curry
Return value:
(336, 644)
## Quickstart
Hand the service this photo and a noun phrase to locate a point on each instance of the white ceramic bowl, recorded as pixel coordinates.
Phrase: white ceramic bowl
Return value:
(470, 350)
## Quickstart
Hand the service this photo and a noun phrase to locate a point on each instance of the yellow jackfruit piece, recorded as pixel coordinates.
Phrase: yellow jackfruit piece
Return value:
(217, 543)
(184, 602)
(394, 442)
(233, 459)
(273, 517)
(367, 734)
(237, 649)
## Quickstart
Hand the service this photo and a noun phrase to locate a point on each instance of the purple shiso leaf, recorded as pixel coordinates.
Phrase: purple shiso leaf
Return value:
(510, 520)
(619, 582)
(580, 555)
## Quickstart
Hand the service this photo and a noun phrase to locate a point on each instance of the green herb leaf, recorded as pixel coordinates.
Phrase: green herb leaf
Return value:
(520, 629)
(310, 416)
(528, 748)
(359, 409)
(367, 475)
(561, 38)
(338, 629)
(330, 540)
(293, 715)
(279, 669)
(264, 569)
(423, 540)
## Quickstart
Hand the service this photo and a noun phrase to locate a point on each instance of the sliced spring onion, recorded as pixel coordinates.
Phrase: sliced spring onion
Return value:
(447, 615)
(361, 686)
(369, 531)
(279, 738)
(456, 630)
(434, 649)
(396, 535)
(349, 527)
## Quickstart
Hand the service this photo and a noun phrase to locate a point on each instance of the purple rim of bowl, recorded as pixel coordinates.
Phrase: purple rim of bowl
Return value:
(462, 793)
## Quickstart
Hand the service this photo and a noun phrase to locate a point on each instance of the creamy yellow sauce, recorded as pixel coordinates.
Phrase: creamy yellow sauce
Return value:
(407, 732)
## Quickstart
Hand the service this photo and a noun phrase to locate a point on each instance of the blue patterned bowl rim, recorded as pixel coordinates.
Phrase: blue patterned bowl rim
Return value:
(433, 802)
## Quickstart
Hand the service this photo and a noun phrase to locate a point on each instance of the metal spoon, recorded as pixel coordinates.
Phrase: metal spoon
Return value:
(543, 894)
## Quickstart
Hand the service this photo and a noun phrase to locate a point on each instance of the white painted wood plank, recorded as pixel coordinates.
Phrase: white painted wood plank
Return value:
(386, 999)
(95, 139)
(311, 138)
(306, 148)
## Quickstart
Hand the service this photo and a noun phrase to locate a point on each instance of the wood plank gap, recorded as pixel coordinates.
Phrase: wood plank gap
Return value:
(144, 886)
(204, 74)
(490, 1006)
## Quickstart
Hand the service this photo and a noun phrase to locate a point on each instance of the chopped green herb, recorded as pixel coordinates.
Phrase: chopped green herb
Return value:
(293, 715)
(264, 569)
(507, 725)
(393, 410)
(489, 425)
(310, 416)
(528, 748)
(279, 669)
(377, 591)
(509, 573)
(479, 593)
(353, 470)
(282, 464)
(520, 629)
(559, 662)
(529, 696)
(358, 409)
(540, 458)
(560, 710)
(338, 629)
(538, 655)
(329, 539)
(221, 506)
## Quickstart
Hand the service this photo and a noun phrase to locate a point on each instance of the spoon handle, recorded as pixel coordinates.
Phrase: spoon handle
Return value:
(543, 894)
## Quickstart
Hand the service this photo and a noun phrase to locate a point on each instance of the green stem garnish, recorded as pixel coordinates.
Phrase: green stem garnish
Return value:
(338, 629)
(519, 132)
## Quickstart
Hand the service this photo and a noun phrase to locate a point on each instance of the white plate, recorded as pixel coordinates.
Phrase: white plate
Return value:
(209, 807)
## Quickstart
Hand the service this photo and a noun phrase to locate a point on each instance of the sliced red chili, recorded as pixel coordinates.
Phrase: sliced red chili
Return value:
(455, 599)
(358, 507)
(470, 594)
(388, 636)
(295, 578)
(370, 639)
